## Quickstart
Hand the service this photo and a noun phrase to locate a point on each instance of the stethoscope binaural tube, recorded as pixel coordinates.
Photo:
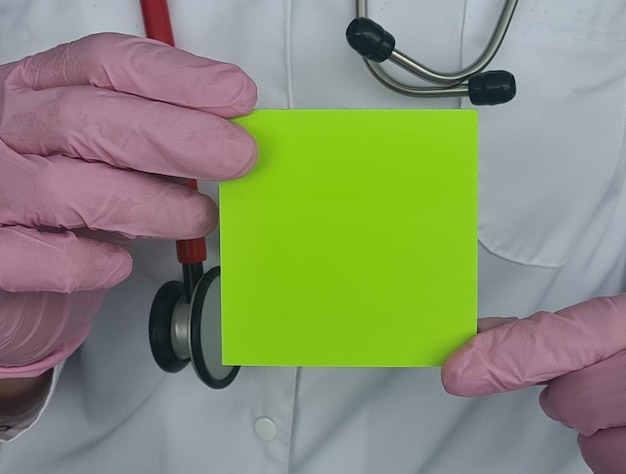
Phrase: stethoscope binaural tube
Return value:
(376, 45)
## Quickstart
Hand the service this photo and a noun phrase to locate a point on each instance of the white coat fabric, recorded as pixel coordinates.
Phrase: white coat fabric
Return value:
(552, 233)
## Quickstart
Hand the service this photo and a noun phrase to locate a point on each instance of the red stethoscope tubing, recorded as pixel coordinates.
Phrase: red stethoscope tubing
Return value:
(156, 18)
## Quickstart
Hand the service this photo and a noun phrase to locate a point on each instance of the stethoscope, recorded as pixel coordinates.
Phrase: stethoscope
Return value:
(185, 317)
(376, 45)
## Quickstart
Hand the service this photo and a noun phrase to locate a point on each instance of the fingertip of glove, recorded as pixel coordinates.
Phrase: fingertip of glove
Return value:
(102, 265)
(122, 270)
(465, 386)
(245, 94)
(198, 217)
(469, 373)
(237, 156)
(247, 156)
(454, 378)
(222, 89)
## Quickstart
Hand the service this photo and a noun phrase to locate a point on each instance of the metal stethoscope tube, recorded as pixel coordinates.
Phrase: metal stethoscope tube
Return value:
(376, 45)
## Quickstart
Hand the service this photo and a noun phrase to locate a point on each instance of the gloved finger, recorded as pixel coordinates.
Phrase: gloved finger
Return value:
(126, 131)
(61, 192)
(605, 451)
(40, 329)
(590, 399)
(59, 262)
(144, 68)
(536, 349)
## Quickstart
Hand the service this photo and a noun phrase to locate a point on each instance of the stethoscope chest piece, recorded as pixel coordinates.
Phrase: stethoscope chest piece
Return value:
(182, 332)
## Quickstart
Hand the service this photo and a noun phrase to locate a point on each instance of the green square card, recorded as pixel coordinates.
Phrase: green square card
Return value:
(353, 240)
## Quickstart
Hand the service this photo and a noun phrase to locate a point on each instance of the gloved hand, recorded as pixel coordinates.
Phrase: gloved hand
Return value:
(95, 136)
(579, 352)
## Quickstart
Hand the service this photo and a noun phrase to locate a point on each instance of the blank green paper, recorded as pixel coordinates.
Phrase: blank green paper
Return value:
(353, 241)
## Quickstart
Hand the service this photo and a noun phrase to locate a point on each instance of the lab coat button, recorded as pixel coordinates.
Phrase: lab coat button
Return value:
(265, 429)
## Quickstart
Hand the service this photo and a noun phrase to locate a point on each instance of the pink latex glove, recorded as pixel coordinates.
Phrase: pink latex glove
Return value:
(95, 136)
(579, 352)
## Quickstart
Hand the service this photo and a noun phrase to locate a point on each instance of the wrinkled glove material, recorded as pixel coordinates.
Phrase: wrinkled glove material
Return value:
(579, 353)
(97, 138)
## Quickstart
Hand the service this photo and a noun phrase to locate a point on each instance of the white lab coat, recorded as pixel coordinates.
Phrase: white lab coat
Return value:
(552, 233)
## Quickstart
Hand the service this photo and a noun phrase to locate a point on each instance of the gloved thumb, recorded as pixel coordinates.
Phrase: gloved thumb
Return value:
(525, 352)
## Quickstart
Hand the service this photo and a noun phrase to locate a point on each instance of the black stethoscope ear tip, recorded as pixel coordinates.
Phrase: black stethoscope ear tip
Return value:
(370, 40)
(491, 88)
